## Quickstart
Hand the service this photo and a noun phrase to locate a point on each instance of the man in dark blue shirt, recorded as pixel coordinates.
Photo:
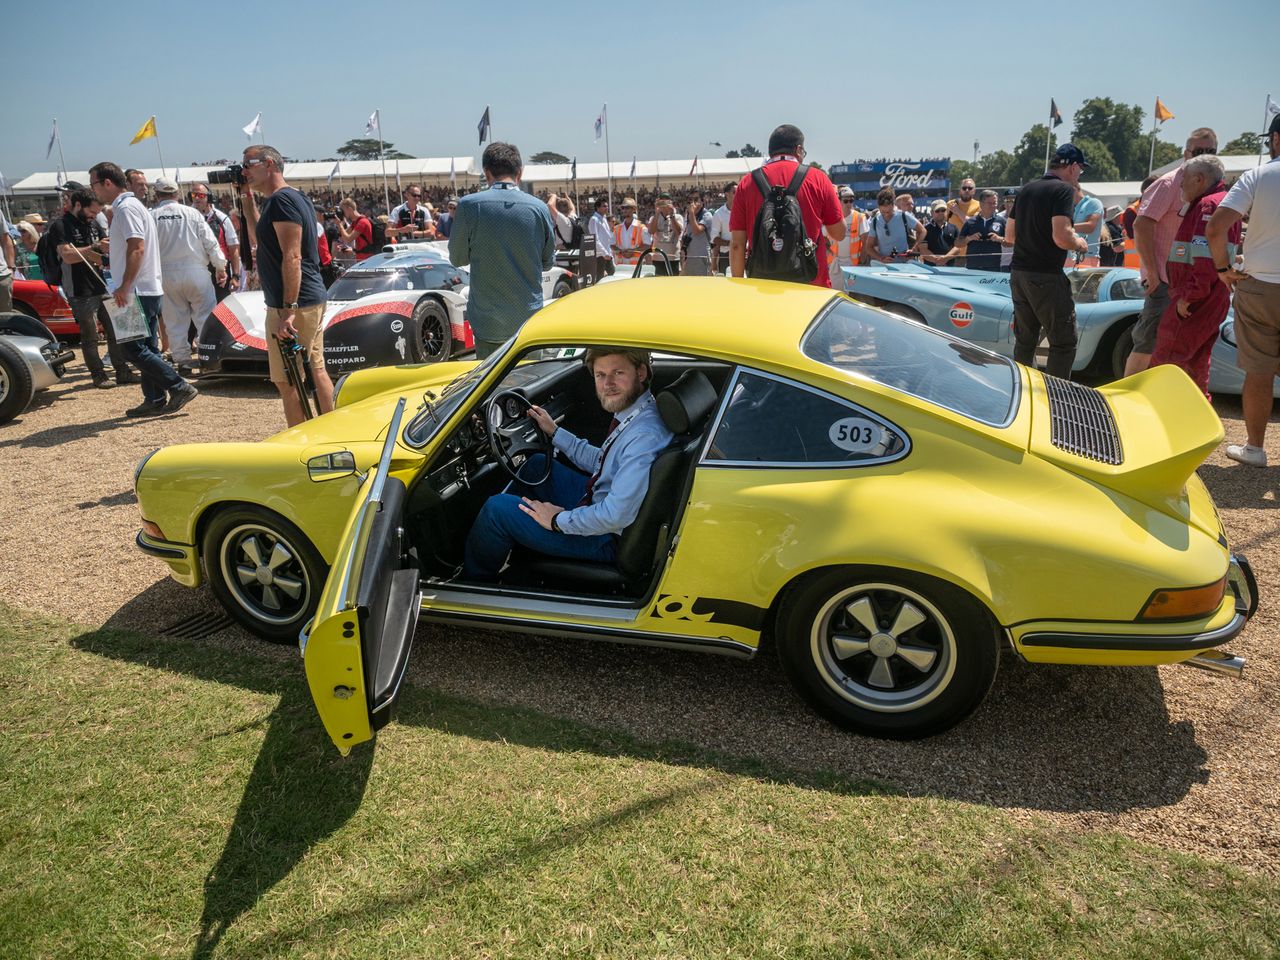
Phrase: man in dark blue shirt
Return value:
(506, 237)
(982, 237)
(288, 262)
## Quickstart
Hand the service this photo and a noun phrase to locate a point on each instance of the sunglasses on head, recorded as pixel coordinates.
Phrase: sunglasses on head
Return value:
(1200, 151)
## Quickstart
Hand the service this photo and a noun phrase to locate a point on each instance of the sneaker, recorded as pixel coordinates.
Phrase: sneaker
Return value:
(1244, 453)
(148, 408)
(102, 383)
(186, 371)
(127, 377)
(179, 397)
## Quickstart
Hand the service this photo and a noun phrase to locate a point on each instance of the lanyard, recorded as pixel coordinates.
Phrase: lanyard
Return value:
(503, 185)
(617, 431)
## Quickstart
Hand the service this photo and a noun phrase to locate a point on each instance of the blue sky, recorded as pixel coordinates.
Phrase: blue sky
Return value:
(862, 80)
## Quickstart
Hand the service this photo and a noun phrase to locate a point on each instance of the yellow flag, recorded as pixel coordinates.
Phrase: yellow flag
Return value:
(148, 130)
(1162, 113)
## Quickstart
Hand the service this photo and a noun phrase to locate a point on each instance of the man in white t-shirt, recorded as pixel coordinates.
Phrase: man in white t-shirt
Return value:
(720, 236)
(135, 271)
(1256, 290)
(563, 214)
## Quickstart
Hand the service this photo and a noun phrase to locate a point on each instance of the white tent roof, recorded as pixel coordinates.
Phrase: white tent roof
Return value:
(711, 168)
(1119, 192)
(1233, 165)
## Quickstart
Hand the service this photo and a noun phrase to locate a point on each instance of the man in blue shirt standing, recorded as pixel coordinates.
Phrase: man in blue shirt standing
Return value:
(982, 238)
(579, 513)
(505, 236)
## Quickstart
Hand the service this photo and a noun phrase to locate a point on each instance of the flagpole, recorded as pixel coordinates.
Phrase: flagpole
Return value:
(1266, 125)
(608, 166)
(1048, 141)
(60, 158)
(386, 191)
(161, 155)
(1151, 160)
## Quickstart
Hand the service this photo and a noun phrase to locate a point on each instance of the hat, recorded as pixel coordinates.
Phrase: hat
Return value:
(937, 205)
(664, 195)
(163, 185)
(34, 218)
(629, 201)
(845, 192)
(1071, 154)
(71, 186)
(1112, 212)
(1275, 126)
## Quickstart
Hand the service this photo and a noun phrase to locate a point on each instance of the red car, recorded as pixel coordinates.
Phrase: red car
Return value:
(37, 299)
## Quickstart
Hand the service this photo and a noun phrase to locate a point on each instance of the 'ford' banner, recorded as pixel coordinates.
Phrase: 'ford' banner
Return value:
(869, 176)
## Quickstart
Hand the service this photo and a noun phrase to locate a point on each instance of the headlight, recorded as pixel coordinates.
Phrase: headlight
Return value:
(337, 387)
(137, 471)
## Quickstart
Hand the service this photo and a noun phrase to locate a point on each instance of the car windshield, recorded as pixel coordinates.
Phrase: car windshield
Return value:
(1085, 284)
(912, 358)
(355, 284)
(438, 407)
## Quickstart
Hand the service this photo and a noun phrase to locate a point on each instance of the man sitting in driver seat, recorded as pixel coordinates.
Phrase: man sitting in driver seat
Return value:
(572, 514)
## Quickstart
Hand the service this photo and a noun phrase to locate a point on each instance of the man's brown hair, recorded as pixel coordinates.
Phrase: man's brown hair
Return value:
(637, 358)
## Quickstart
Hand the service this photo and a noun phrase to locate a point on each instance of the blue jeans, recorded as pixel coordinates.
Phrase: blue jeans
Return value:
(157, 376)
(502, 524)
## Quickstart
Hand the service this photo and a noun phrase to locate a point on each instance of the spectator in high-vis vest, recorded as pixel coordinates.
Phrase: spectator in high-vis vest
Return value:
(847, 251)
(630, 238)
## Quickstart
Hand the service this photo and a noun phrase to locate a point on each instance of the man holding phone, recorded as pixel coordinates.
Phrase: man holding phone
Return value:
(982, 238)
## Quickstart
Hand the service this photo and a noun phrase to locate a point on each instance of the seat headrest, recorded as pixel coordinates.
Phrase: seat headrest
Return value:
(685, 404)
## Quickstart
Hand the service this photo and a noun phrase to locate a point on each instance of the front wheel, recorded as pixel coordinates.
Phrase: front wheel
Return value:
(16, 384)
(430, 338)
(562, 289)
(887, 653)
(263, 570)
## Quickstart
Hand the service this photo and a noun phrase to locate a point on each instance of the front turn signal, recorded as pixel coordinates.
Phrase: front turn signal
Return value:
(1189, 603)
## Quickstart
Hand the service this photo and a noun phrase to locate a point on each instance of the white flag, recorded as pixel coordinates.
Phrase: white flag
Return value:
(254, 126)
(1272, 108)
(332, 173)
(53, 137)
(453, 177)
(398, 187)
(373, 126)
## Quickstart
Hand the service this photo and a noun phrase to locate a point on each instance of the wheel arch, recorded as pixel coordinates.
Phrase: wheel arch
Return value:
(1101, 363)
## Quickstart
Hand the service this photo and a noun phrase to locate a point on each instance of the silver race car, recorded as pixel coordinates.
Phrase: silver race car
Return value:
(31, 359)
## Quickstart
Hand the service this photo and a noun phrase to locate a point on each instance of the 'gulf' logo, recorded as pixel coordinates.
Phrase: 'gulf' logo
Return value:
(961, 314)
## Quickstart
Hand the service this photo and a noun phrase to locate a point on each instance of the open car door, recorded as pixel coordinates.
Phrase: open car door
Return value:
(356, 650)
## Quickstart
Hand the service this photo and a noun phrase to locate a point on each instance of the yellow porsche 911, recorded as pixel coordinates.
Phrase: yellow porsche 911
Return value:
(890, 504)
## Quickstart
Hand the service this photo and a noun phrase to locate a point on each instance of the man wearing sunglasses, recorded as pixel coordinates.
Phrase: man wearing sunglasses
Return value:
(963, 207)
(846, 252)
(410, 220)
(1157, 222)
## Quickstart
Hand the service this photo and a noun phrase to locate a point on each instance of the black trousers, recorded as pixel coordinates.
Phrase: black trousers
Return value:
(1042, 305)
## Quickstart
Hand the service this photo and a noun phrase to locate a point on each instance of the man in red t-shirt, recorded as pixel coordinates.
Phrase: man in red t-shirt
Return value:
(819, 204)
(359, 236)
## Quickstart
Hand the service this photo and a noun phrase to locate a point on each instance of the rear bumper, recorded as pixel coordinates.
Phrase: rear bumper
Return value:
(184, 564)
(1143, 644)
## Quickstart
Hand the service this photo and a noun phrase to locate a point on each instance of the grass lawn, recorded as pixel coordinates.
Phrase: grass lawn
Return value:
(162, 798)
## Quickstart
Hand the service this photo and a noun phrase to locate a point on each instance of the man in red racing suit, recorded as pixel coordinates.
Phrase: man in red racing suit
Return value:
(1198, 299)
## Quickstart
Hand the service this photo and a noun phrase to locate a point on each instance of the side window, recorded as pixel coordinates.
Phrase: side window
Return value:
(776, 421)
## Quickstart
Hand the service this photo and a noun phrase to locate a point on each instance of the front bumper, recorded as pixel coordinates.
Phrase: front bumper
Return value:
(184, 564)
(1143, 644)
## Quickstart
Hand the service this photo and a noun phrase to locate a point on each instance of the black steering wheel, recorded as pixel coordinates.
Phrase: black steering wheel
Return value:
(512, 443)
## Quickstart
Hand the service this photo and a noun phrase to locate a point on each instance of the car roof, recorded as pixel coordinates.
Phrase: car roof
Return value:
(400, 259)
(751, 320)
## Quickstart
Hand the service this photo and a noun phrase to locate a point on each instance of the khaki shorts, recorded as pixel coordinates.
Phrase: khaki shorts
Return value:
(1257, 307)
(307, 320)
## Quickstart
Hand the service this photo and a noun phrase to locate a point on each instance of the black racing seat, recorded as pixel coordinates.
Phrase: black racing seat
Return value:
(684, 407)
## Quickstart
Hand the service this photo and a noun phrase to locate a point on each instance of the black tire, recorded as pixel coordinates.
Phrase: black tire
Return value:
(1120, 343)
(226, 548)
(16, 384)
(562, 289)
(21, 307)
(871, 682)
(430, 337)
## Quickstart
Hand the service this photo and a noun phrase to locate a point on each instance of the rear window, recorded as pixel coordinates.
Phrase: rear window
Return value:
(916, 360)
(355, 284)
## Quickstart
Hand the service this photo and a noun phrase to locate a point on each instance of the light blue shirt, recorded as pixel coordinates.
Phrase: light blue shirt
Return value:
(1086, 208)
(505, 236)
(628, 454)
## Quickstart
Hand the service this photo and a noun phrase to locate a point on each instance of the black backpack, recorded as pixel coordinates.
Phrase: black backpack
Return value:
(576, 230)
(378, 230)
(780, 247)
(50, 262)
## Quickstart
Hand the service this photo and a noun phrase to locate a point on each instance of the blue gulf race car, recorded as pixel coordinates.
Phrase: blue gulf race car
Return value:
(976, 305)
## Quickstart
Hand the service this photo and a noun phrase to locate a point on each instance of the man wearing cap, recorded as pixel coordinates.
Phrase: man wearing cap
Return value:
(1158, 218)
(224, 232)
(1111, 247)
(1256, 286)
(666, 227)
(1040, 229)
(630, 238)
(188, 249)
(847, 251)
(939, 233)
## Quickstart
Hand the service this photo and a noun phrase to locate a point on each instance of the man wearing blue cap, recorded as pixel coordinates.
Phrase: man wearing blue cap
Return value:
(1041, 231)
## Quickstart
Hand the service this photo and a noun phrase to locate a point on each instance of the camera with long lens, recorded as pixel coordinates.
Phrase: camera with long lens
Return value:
(233, 174)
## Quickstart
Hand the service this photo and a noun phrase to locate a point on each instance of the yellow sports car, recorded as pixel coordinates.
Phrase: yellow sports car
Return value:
(892, 505)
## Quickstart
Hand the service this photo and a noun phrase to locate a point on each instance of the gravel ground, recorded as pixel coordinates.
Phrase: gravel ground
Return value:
(1172, 756)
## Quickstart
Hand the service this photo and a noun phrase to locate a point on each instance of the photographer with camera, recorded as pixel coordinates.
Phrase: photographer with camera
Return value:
(696, 242)
(356, 230)
(288, 262)
(666, 227)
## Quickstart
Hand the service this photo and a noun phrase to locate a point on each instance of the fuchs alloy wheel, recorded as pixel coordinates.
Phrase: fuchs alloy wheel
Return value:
(887, 653)
(430, 339)
(263, 570)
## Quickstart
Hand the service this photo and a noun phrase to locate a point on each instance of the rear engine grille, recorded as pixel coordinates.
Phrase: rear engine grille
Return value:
(1081, 422)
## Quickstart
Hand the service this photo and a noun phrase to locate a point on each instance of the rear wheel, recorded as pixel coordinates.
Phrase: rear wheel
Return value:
(887, 653)
(263, 570)
(431, 339)
(16, 384)
(562, 289)
(1115, 359)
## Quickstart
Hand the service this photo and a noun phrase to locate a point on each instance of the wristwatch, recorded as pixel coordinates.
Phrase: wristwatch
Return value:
(555, 522)
(1223, 269)
(291, 306)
